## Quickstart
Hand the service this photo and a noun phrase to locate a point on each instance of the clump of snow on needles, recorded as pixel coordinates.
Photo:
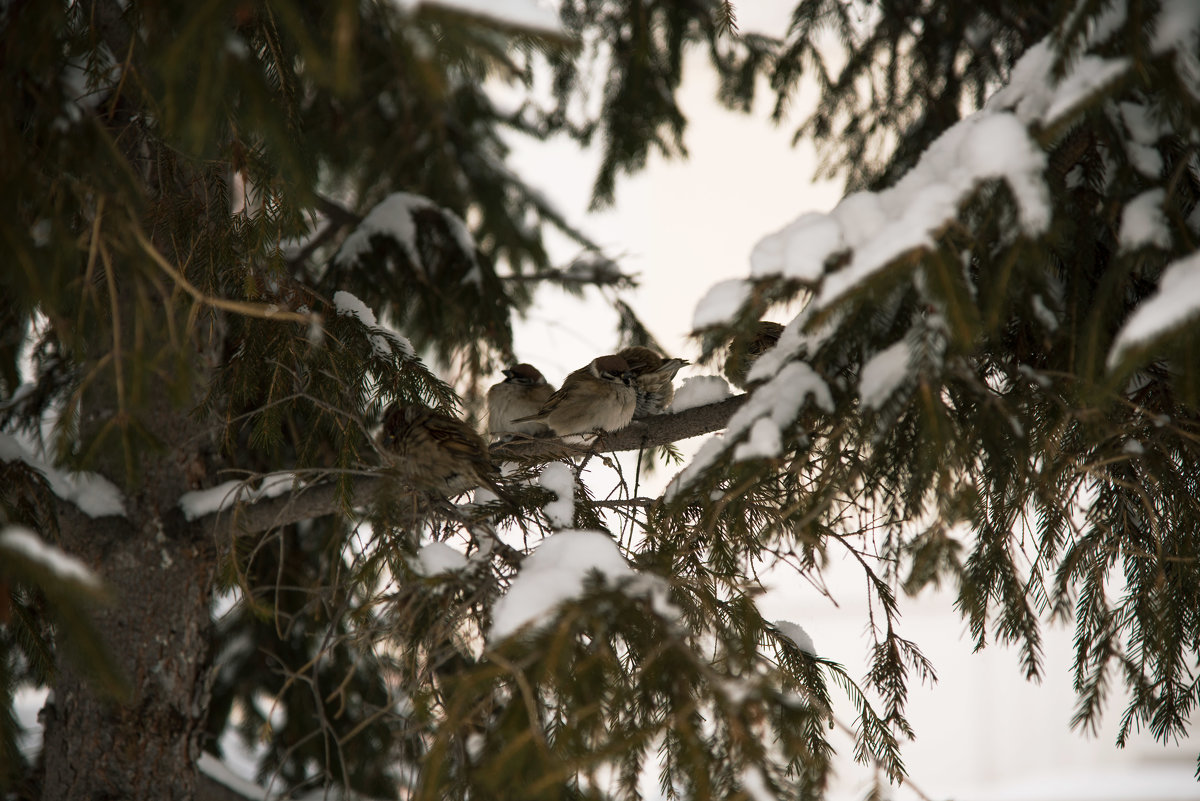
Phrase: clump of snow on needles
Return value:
(18, 540)
(383, 340)
(554, 573)
(764, 441)
(802, 247)
(700, 390)
(1177, 27)
(1143, 222)
(1144, 132)
(755, 430)
(797, 635)
(721, 303)
(437, 558)
(1035, 95)
(883, 374)
(876, 228)
(392, 217)
(1175, 303)
(92, 493)
(558, 478)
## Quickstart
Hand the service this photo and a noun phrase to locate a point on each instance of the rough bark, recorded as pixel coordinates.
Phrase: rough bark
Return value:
(142, 746)
(159, 568)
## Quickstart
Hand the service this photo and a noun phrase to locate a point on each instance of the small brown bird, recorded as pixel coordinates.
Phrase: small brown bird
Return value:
(598, 397)
(745, 350)
(653, 377)
(435, 451)
(522, 393)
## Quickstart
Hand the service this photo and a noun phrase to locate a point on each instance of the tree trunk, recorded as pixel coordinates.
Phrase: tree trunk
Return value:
(159, 567)
(144, 746)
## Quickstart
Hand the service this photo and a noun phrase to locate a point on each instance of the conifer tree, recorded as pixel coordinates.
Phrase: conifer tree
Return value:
(238, 232)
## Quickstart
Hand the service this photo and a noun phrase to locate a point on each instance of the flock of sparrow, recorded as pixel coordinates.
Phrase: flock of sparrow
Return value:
(440, 453)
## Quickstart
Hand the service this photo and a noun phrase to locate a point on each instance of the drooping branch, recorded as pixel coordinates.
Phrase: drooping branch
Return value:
(589, 270)
(322, 499)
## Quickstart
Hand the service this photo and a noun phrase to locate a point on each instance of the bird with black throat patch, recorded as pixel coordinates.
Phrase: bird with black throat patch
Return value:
(597, 397)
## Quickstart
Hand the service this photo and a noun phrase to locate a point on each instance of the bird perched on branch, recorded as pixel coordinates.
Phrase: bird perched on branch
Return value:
(598, 397)
(744, 351)
(437, 452)
(653, 379)
(522, 393)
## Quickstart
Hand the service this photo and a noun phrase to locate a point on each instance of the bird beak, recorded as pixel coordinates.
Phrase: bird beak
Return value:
(507, 373)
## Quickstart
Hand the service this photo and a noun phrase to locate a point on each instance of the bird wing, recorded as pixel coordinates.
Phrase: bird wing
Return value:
(460, 440)
(555, 398)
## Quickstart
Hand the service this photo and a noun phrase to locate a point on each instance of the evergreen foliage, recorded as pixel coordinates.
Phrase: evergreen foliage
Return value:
(209, 205)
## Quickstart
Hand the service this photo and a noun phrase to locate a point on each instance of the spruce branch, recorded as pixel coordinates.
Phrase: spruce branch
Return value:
(339, 219)
(261, 310)
(326, 498)
(587, 270)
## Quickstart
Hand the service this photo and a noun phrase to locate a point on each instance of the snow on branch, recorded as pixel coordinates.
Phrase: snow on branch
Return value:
(213, 500)
(384, 340)
(18, 542)
(756, 430)
(92, 493)
(555, 573)
(1174, 304)
(392, 218)
(1037, 97)
(875, 229)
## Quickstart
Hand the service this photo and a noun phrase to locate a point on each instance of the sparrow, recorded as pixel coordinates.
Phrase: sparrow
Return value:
(653, 377)
(598, 397)
(522, 392)
(745, 350)
(435, 451)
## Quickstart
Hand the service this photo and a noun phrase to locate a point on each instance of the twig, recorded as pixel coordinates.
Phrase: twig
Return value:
(260, 310)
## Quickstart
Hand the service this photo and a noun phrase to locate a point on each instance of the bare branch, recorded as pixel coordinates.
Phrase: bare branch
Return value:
(339, 217)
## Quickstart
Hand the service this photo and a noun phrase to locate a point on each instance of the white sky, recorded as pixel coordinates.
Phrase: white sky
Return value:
(680, 225)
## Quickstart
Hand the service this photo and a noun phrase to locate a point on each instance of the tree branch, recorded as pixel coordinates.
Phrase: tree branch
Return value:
(339, 219)
(647, 432)
(323, 499)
